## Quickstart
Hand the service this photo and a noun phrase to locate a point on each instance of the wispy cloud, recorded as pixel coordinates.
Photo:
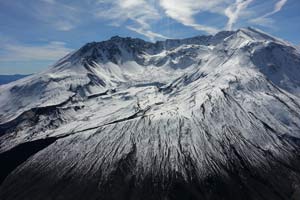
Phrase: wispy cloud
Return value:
(278, 6)
(184, 12)
(61, 16)
(148, 33)
(140, 13)
(264, 20)
(142, 16)
(22, 52)
(233, 12)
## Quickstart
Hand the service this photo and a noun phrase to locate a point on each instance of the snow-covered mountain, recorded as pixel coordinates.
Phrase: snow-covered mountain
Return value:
(209, 117)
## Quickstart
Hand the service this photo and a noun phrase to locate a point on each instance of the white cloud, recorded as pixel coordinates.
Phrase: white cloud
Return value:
(49, 1)
(265, 19)
(64, 25)
(61, 16)
(267, 22)
(141, 16)
(19, 52)
(144, 13)
(233, 11)
(148, 33)
(278, 6)
(140, 12)
(184, 11)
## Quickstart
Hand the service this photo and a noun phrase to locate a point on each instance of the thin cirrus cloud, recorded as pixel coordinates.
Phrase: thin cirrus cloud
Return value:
(184, 12)
(146, 32)
(233, 12)
(278, 6)
(21, 52)
(140, 16)
(265, 19)
(61, 16)
(141, 13)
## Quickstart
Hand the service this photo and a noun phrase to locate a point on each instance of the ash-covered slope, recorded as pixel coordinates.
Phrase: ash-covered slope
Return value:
(210, 117)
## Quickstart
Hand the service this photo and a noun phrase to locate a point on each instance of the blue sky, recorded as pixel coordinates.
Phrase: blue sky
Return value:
(36, 33)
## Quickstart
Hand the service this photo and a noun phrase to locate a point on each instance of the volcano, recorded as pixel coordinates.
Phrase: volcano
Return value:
(207, 118)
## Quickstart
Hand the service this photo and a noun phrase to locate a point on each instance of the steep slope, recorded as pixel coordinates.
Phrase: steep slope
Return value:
(210, 117)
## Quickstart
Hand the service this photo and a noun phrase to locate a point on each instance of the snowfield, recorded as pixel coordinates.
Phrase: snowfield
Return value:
(209, 117)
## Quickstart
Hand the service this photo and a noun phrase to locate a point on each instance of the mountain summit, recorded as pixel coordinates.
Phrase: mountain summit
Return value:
(208, 117)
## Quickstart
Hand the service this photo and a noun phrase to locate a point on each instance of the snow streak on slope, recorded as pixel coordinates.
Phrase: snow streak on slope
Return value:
(210, 117)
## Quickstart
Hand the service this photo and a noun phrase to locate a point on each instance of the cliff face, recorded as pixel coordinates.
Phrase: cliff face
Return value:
(210, 117)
